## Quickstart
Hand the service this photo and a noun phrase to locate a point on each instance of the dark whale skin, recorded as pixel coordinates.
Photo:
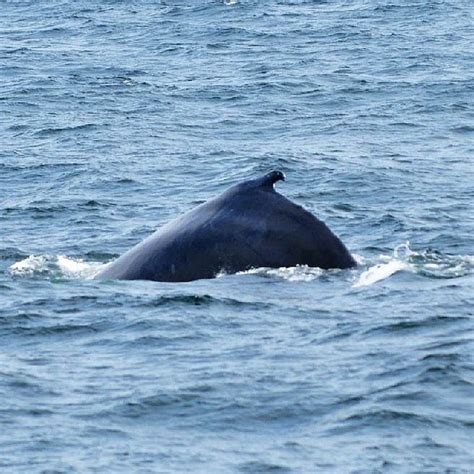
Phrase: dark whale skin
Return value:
(248, 226)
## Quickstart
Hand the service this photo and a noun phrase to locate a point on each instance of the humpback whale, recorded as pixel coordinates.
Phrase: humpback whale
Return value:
(250, 225)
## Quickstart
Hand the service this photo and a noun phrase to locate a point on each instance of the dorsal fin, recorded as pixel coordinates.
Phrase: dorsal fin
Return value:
(270, 179)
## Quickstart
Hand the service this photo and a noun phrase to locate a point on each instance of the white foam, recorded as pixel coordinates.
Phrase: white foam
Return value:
(298, 273)
(55, 265)
(77, 268)
(469, 259)
(30, 265)
(403, 259)
(380, 272)
(426, 262)
(360, 260)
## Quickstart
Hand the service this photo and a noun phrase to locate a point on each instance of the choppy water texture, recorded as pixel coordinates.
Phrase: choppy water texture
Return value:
(117, 116)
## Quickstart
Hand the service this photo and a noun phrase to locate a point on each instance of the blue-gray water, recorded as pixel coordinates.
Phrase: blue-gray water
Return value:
(118, 116)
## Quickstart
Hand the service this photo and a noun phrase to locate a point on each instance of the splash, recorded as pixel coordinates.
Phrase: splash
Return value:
(55, 266)
(77, 268)
(380, 272)
(429, 263)
(30, 265)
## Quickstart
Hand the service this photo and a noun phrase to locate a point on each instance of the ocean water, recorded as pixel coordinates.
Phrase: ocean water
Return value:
(117, 116)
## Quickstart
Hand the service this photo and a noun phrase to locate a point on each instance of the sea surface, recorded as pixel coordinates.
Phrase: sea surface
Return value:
(117, 116)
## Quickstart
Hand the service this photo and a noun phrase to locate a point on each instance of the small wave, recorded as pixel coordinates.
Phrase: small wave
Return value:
(155, 405)
(427, 263)
(12, 253)
(71, 129)
(63, 330)
(464, 129)
(202, 300)
(415, 325)
(259, 466)
(55, 266)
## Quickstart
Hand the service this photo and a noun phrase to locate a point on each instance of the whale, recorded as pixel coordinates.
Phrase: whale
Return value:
(250, 225)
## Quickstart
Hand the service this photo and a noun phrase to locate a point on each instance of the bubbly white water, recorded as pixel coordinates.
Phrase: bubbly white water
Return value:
(58, 266)
(423, 262)
(380, 272)
(30, 265)
(368, 273)
(295, 274)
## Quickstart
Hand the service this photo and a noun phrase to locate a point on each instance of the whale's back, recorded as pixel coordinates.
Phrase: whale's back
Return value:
(248, 226)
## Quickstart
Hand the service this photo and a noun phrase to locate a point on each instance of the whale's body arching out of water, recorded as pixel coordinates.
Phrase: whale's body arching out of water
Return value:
(248, 226)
